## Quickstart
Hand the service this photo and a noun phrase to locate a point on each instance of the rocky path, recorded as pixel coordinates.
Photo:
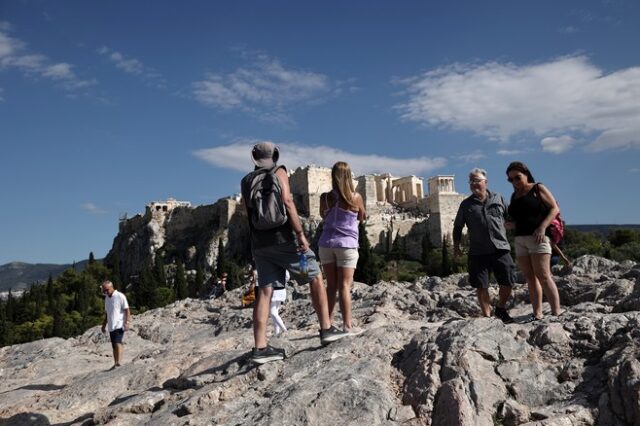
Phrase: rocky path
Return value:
(424, 358)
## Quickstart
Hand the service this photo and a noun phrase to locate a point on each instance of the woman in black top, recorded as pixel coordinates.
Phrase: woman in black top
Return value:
(532, 209)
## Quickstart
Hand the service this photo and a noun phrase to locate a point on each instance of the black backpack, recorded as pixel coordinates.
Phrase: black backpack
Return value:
(265, 199)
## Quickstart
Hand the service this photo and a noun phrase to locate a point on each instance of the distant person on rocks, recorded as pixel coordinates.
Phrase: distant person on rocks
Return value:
(342, 210)
(117, 319)
(484, 213)
(278, 243)
(533, 208)
(277, 298)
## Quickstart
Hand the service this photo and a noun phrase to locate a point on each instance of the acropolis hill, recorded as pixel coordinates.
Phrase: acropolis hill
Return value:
(396, 207)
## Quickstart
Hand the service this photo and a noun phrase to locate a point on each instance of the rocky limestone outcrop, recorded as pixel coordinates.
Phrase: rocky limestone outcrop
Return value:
(193, 234)
(424, 358)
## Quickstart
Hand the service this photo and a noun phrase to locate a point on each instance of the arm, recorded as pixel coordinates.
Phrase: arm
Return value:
(547, 198)
(509, 225)
(362, 214)
(294, 219)
(458, 224)
(104, 324)
(127, 318)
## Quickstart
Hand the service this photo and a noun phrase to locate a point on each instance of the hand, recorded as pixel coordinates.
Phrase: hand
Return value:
(303, 244)
(126, 326)
(104, 328)
(539, 235)
(509, 226)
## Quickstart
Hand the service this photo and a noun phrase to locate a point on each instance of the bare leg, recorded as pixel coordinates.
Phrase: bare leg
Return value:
(261, 315)
(503, 295)
(319, 300)
(485, 301)
(540, 263)
(331, 273)
(345, 278)
(535, 290)
(117, 352)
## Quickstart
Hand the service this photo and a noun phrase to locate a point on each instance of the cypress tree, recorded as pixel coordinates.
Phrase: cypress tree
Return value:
(369, 269)
(159, 272)
(446, 261)
(180, 282)
(92, 258)
(116, 276)
(199, 284)
(220, 259)
(50, 295)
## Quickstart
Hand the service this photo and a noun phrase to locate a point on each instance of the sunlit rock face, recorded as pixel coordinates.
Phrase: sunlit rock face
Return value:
(425, 357)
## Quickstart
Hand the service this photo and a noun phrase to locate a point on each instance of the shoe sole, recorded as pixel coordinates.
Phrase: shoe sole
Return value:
(264, 360)
(331, 339)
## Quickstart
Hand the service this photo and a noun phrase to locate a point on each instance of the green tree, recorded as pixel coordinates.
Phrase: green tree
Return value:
(446, 260)
(92, 258)
(159, 273)
(198, 288)
(116, 275)
(620, 237)
(180, 282)
(50, 295)
(221, 258)
(369, 269)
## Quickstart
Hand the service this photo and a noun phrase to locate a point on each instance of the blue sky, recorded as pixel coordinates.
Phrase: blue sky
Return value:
(106, 106)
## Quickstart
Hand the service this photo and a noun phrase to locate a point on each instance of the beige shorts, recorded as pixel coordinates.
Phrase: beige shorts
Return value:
(527, 245)
(342, 257)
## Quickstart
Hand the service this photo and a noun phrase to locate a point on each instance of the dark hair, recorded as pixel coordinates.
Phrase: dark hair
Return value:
(522, 168)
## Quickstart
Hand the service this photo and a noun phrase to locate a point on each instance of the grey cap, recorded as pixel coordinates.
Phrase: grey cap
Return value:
(265, 154)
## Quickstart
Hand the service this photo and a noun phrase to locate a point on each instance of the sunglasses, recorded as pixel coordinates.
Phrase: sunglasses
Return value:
(517, 177)
(472, 181)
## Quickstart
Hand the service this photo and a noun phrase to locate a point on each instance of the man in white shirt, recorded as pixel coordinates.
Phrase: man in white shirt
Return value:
(117, 318)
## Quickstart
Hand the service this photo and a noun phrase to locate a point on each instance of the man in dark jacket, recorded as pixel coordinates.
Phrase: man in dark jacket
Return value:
(484, 213)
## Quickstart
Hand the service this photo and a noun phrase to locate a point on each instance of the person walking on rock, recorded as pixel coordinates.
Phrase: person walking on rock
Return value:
(278, 244)
(533, 208)
(117, 319)
(484, 213)
(342, 210)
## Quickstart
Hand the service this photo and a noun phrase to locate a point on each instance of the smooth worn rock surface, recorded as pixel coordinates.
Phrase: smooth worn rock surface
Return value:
(425, 358)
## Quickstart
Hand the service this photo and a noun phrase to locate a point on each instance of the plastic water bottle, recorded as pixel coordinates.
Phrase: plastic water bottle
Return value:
(304, 266)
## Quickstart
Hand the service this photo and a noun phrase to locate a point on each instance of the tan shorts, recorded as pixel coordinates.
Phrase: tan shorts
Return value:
(527, 245)
(342, 257)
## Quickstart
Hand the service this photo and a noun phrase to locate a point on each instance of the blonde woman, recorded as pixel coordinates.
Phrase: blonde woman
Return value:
(342, 209)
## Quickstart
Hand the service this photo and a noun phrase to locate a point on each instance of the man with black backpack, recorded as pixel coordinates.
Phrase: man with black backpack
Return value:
(278, 244)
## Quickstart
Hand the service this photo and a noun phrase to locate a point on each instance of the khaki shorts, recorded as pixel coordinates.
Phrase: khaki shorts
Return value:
(527, 245)
(342, 257)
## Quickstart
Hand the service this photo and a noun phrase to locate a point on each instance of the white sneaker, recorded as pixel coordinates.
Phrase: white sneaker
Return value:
(353, 331)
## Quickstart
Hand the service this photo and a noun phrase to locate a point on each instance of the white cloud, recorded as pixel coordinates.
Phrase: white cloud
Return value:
(471, 157)
(237, 156)
(15, 55)
(1, 98)
(557, 145)
(568, 29)
(132, 66)
(567, 96)
(92, 208)
(634, 170)
(264, 87)
(510, 152)
(60, 71)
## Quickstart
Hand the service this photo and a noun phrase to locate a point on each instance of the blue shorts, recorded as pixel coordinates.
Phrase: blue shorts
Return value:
(273, 261)
(116, 336)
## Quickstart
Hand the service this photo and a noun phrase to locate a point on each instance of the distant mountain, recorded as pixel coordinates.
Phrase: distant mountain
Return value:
(20, 275)
(601, 229)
